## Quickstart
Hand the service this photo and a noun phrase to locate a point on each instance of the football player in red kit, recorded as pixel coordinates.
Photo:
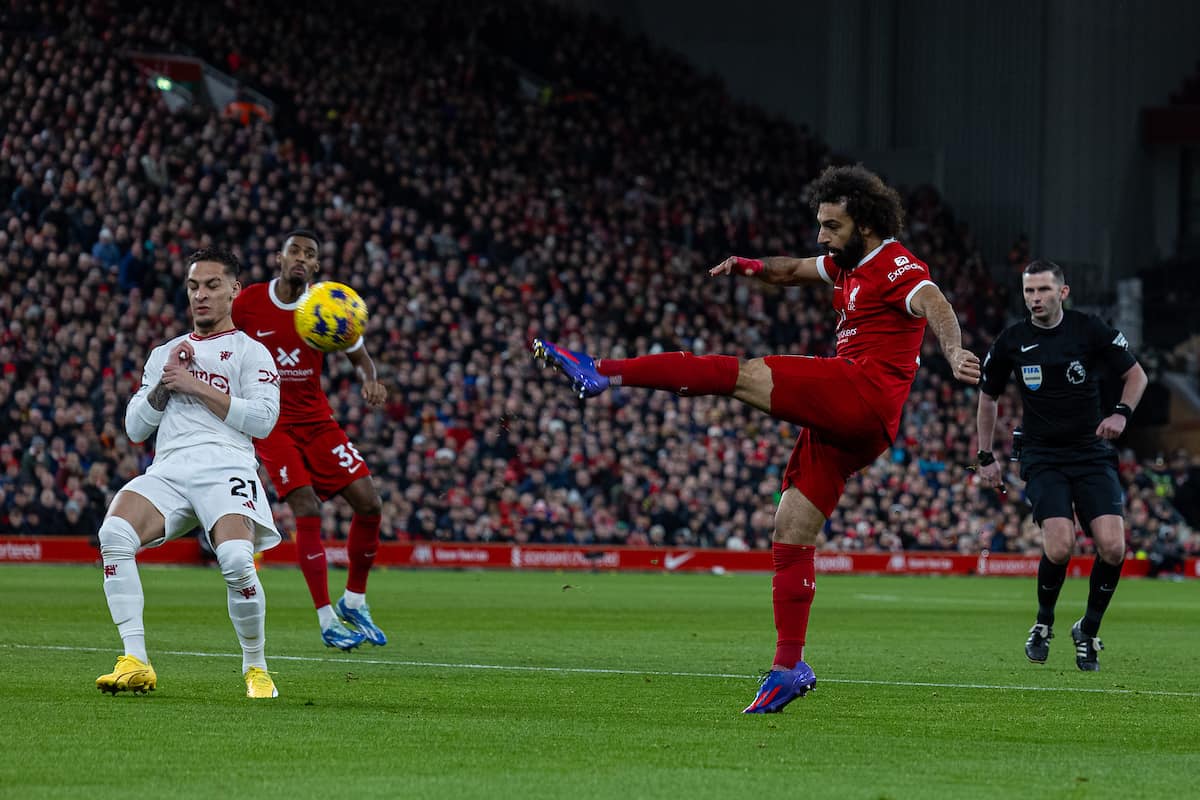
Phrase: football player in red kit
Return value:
(308, 456)
(849, 405)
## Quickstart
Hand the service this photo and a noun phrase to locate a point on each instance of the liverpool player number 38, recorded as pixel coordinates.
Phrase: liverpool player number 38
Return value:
(308, 456)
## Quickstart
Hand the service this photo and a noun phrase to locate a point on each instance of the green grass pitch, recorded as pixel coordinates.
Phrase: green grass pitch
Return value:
(545, 685)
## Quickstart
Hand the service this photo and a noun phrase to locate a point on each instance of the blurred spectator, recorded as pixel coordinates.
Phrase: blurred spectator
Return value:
(105, 251)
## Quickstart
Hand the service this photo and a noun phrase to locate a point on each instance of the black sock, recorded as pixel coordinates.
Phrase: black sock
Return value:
(1050, 579)
(1103, 585)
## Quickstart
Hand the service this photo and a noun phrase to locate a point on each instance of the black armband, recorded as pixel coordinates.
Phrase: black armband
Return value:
(985, 458)
(1122, 409)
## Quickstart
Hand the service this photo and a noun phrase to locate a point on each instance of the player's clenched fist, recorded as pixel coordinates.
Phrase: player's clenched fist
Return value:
(181, 353)
(965, 365)
(1111, 427)
(375, 393)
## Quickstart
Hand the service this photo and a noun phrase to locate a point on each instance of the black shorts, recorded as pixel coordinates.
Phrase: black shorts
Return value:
(1070, 481)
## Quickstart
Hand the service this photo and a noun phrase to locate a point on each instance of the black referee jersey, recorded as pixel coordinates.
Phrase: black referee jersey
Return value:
(1057, 370)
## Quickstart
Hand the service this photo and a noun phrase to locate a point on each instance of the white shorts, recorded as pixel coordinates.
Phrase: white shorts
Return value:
(198, 487)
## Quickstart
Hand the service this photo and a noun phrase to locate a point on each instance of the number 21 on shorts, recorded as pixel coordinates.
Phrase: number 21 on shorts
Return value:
(348, 457)
(238, 488)
(239, 485)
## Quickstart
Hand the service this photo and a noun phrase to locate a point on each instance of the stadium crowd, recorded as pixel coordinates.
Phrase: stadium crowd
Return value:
(504, 174)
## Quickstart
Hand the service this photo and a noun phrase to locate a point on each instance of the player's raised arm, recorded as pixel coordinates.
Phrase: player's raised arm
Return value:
(930, 303)
(776, 270)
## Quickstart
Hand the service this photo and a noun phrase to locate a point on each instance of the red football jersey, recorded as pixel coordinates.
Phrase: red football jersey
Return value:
(258, 312)
(876, 327)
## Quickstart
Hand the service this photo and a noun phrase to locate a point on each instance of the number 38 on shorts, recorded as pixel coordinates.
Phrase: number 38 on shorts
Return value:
(319, 455)
(347, 456)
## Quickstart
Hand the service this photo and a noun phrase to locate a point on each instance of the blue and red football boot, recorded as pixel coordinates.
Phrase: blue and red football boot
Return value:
(780, 687)
(579, 367)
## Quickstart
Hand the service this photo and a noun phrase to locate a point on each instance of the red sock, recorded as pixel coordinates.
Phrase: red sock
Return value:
(361, 545)
(792, 595)
(310, 554)
(682, 373)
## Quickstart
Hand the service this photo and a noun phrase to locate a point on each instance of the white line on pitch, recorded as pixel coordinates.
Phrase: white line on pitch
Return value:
(601, 671)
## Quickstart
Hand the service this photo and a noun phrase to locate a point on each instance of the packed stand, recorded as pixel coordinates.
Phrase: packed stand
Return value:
(472, 214)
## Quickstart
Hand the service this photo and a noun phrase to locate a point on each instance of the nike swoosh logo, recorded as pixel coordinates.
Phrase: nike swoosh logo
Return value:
(1110, 589)
(264, 333)
(311, 556)
(1027, 348)
(355, 467)
(674, 562)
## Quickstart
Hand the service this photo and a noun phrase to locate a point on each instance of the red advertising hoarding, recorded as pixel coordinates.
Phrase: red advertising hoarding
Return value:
(458, 555)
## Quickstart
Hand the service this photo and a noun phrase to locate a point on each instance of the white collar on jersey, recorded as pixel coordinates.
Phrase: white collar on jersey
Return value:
(275, 298)
(195, 337)
(874, 252)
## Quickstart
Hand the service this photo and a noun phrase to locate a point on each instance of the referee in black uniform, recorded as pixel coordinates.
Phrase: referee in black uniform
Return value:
(1067, 458)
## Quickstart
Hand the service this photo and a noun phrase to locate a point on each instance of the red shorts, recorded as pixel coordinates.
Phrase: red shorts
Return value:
(315, 454)
(842, 432)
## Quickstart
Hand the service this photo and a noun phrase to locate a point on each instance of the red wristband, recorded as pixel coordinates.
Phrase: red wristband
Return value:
(748, 266)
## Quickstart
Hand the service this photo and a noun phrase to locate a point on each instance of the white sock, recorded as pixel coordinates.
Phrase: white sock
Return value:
(354, 599)
(326, 616)
(247, 600)
(119, 544)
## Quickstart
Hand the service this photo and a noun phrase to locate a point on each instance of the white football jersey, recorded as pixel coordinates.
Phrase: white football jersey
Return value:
(230, 362)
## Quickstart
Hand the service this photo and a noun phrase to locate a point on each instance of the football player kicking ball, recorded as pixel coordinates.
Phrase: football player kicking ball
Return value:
(849, 406)
(206, 394)
(308, 456)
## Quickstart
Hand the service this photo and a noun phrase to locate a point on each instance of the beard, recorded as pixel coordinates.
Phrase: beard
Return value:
(289, 277)
(848, 257)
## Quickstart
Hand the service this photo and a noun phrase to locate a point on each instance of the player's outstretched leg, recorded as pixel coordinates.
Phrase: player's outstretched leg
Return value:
(683, 373)
(578, 366)
(780, 687)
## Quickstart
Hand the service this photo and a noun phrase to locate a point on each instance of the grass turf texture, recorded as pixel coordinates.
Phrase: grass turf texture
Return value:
(412, 720)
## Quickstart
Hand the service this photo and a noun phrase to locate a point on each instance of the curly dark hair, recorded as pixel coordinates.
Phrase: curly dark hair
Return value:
(870, 202)
(233, 267)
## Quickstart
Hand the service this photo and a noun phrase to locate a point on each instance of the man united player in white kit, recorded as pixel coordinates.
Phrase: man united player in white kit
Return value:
(308, 456)
(207, 394)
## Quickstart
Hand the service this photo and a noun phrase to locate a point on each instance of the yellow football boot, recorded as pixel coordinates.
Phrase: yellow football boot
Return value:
(129, 675)
(259, 683)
